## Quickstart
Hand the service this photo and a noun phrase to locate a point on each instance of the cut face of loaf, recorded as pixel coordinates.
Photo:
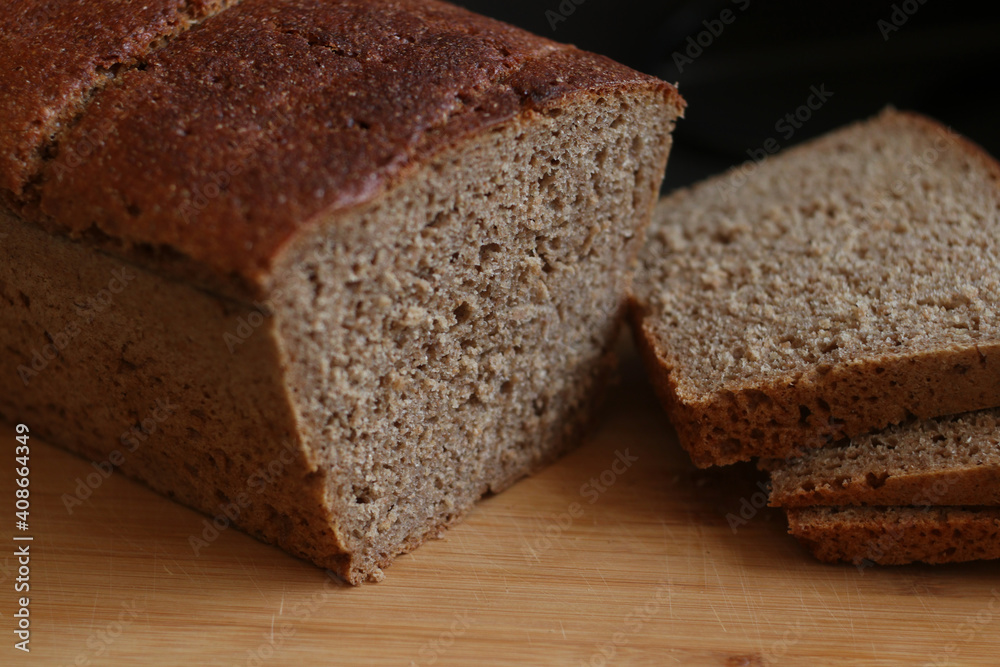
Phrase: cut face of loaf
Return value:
(945, 461)
(465, 323)
(897, 535)
(403, 297)
(837, 288)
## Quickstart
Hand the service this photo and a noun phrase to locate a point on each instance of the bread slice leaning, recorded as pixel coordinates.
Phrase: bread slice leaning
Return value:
(840, 287)
(952, 460)
(897, 535)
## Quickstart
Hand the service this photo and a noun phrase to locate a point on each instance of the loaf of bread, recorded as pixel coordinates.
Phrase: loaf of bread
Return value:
(897, 535)
(327, 270)
(837, 288)
(945, 461)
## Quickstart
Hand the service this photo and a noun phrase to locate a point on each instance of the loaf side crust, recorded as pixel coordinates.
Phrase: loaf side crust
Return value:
(164, 383)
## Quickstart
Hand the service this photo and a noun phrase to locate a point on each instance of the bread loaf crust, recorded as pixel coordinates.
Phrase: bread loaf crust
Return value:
(55, 55)
(239, 134)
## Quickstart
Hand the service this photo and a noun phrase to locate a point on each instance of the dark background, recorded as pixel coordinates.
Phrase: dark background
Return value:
(943, 60)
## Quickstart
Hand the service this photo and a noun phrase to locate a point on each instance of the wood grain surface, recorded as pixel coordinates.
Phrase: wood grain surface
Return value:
(591, 562)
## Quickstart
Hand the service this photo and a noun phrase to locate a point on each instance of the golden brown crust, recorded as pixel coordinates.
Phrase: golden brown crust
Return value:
(239, 134)
(897, 535)
(54, 54)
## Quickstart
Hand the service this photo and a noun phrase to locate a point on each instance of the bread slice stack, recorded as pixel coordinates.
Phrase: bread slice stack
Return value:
(791, 310)
(928, 491)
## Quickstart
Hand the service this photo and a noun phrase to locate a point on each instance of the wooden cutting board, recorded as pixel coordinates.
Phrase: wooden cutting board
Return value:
(591, 562)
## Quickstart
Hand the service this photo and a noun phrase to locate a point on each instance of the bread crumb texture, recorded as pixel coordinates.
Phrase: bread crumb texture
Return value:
(450, 338)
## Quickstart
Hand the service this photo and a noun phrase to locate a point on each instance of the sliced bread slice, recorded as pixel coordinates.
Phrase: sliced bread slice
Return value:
(945, 461)
(897, 535)
(840, 287)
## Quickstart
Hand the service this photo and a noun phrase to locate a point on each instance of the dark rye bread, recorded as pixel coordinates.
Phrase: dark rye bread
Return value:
(332, 269)
(951, 460)
(849, 284)
(897, 535)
